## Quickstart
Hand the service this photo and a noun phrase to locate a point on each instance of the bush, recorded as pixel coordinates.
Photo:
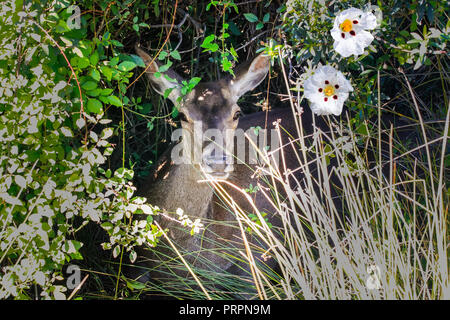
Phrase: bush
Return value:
(52, 158)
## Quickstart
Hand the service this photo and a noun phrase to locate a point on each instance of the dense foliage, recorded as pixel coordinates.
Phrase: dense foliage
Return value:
(79, 129)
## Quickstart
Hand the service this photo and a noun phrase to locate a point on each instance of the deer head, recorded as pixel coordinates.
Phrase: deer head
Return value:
(209, 114)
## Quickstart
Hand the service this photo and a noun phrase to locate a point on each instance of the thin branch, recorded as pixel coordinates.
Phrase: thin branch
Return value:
(251, 40)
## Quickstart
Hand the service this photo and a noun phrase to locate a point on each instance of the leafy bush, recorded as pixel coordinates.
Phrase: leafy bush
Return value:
(51, 156)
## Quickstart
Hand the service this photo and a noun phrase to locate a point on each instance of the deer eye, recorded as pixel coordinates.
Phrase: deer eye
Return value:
(237, 115)
(182, 117)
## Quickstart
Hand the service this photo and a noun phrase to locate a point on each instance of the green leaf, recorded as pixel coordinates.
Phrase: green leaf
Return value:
(133, 256)
(165, 67)
(145, 108)
(259, 26)
(256, 130)
(89, 85)
(83, 63)
(107, 72)
(250, 17)
(404, 33)
(61, 27)
(106, 92)
(138, 60)
(233, 52)
(170, 79)
(117, 43)
(116, 251)
(266, 17)
(107, 225)
(156, 8)
(167, 92)
(114, 101)
(135, 285)
(208, 39)
(174, 112)
(114, 61)
(106, 36)
(226, 64)
(175, 54)
(194, 81)
(162, 55)
(95, 75)
(94, 58)
(72, 246)
(127, 66)
(213, 47)
(94, 93)
(94, 106)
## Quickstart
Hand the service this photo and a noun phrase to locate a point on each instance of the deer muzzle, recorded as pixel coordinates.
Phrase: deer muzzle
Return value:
(218, 166)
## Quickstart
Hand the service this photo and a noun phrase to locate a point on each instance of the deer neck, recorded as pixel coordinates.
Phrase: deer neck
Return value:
(180, 189)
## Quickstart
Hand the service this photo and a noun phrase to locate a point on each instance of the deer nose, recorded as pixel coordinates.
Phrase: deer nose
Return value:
(217, 163)
(213, 160)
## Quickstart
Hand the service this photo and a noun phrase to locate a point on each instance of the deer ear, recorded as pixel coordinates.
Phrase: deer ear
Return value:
(248, 76)
(167, 80)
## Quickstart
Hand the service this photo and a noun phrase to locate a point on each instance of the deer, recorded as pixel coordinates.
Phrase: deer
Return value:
(215, 106)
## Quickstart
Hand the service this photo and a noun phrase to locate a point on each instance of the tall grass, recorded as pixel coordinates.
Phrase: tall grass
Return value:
(392, 225)
(372, 226)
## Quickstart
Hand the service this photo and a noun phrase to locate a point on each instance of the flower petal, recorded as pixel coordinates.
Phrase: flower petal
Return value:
(365, 38)
(337, 108)
(345, 47)
(318, 109)
(336, 33)
(310, 87)
(368, 21)
(327, 108)
(351, 14)
(344, 84)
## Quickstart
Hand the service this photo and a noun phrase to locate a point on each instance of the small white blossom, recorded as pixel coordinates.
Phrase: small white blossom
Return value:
(327, 91)
(197, 226)
(350, 31)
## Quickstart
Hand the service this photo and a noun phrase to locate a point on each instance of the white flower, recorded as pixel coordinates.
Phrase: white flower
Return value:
(327, 91)
(180, 212)
(349, 31)
(197, 226)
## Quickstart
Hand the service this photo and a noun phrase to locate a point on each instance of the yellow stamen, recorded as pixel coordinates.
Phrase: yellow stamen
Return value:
(328, 91)
(346, 26)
